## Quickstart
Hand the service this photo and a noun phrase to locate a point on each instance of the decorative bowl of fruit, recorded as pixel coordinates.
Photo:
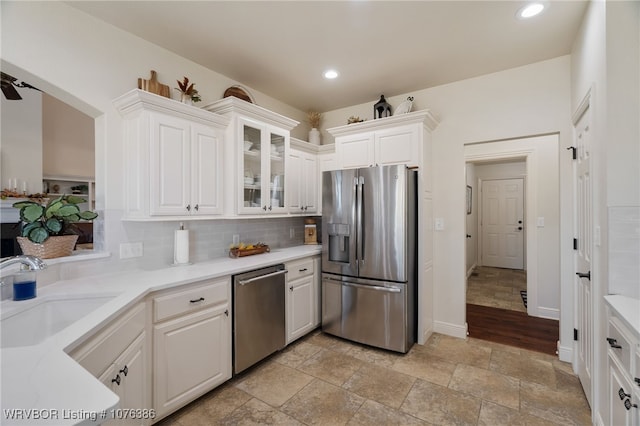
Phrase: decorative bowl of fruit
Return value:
(242, 249)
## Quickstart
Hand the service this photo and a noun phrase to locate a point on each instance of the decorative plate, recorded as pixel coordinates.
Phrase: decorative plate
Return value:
(239, 92)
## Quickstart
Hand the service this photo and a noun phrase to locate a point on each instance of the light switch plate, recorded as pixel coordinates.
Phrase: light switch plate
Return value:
(540, 222)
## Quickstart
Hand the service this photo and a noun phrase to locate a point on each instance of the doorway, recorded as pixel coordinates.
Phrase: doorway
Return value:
(495, 230)
(534, 161)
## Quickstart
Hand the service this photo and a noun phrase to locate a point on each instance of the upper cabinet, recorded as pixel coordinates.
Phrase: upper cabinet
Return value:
(174, 163)
(302, 181)
(391, 140)
(259, 149)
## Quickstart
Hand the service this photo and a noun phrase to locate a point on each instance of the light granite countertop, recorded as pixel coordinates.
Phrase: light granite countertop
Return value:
(628, 309)
(44, 385)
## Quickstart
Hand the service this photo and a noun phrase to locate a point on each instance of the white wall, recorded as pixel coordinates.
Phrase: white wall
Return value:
(68, 147)
(524, 101)
(21, 141)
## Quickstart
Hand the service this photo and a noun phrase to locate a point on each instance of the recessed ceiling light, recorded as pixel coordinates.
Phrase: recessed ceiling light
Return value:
(530, 10)
(330, 74)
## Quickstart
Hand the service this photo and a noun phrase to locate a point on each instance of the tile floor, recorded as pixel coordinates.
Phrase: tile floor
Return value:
(497, 288)
(323, 380)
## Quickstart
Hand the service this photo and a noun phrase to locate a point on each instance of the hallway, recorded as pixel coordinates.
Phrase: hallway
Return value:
(496, 311)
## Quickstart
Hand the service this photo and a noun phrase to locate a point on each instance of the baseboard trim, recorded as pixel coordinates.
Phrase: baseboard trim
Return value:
(549, 313)
(449, 329)
(470, 270)
(565, 353)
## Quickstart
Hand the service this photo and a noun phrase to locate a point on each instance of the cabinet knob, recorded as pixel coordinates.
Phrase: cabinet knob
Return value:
(264, 208)
(226, 312)
(270, 207)
(196, 207)
(117, 380)
(125, 371)
(622, 394)
(291, 288)
(613, 343)
(628, 404)
(637, 379)
(188, 207)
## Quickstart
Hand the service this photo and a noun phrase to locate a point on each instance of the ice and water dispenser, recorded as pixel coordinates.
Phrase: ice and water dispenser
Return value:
(338, 242)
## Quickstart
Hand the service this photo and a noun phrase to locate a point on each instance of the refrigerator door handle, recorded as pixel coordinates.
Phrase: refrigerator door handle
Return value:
(360, 219)
(372, 287)
(364, 286)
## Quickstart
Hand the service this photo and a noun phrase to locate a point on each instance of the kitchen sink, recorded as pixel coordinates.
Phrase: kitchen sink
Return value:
(43, 317)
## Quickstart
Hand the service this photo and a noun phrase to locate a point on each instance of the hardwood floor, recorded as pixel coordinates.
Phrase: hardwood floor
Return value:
(513, 328)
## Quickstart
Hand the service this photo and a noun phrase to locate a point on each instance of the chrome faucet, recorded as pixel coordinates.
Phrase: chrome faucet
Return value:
(28, 262)
(34, 263)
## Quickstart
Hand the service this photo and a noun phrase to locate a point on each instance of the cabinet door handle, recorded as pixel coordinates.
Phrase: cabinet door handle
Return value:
(197, 300)
(117, 380)
(264, 208)
(291, 288)
(628, 404)
(226, 312)
(196, 207)
(583, 275)
(613, 343)
(302, 270)
(270, 207)
(188, 207)
(637, 380)
(622, 394)
(125, 371)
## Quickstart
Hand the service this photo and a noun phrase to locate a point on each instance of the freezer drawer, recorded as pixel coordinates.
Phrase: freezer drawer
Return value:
(374, 313)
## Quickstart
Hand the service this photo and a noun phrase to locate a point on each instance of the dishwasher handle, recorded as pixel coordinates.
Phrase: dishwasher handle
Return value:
(259, 277)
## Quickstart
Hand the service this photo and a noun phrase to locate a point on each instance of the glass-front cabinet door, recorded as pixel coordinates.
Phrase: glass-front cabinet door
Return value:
(263, 169)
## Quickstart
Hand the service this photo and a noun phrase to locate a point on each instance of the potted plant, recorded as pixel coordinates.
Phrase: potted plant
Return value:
(188, 92)
(48, 230)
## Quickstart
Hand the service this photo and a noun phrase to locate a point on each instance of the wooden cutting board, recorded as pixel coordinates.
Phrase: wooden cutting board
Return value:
(154, 86)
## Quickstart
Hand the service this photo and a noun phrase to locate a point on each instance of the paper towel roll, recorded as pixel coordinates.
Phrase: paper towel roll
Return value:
(181, 247)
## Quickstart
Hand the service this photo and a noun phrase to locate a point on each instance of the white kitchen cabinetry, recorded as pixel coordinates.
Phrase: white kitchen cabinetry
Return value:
(259, 142)
(302, 179)
(623, 349)
(302, 298)
(119, 357)
(191, 343)
(174, 163)
(391, 140)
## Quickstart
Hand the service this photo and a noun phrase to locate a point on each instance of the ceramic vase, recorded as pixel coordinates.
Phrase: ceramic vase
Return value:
(186, 99)
(314, 136)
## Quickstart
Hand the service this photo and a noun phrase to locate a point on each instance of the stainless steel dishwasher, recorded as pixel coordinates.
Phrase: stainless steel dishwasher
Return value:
(258, 315)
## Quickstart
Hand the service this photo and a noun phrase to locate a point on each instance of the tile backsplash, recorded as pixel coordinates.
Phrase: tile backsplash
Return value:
(211, 239)
(624, 251)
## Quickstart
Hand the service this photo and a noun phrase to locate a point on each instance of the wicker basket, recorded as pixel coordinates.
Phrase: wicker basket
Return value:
(55, 246)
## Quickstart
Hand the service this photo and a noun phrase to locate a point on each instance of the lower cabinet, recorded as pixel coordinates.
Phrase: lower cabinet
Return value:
(119, 357)
(302, 297)
(191, 343)
(623, 385)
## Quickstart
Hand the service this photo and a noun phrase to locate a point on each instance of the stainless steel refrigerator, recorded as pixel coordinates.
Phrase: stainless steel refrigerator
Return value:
(369, 252)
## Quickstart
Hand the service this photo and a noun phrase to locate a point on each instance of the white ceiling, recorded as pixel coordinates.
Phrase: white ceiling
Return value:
(379, 47)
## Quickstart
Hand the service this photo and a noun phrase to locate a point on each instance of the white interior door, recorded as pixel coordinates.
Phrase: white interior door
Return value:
(503, 223)
(583, 220)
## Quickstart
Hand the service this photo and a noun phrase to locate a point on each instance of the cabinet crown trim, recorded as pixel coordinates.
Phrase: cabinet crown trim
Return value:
(136, 101)
(232, 104)
(424, 116)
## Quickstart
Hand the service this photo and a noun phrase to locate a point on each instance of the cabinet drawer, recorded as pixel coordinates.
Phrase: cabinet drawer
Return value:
(636, 372)
(620, 344)
(300, 268)
(101, 351)
(191, 299)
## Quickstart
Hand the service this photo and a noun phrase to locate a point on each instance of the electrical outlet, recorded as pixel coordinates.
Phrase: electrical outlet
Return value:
(439, 225)
(236, 238)
(128, 250)
(292, 233)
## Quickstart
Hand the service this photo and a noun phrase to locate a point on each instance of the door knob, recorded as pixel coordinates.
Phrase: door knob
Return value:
(468, 236)
(583, 275)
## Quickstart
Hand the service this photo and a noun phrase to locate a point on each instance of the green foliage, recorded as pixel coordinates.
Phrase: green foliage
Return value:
(54, 218)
